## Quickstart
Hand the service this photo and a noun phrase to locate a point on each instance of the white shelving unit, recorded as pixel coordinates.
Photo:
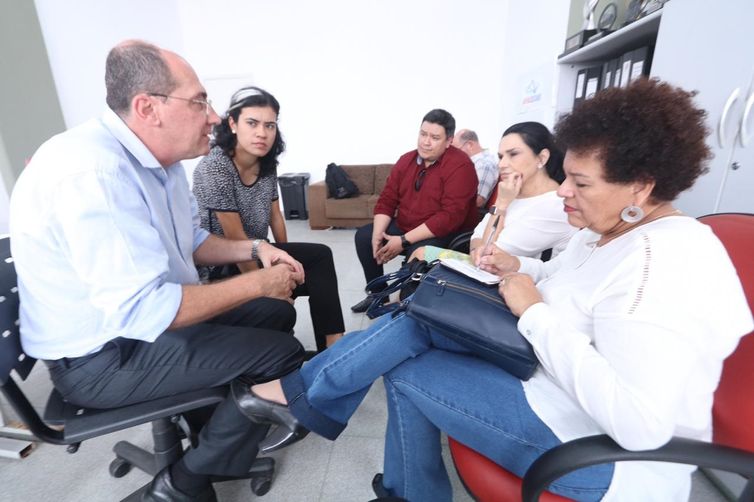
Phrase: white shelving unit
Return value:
(702, 48)
(639, 33)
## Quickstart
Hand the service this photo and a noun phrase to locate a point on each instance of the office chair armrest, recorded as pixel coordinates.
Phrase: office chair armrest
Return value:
(461, 242)
(594, 450)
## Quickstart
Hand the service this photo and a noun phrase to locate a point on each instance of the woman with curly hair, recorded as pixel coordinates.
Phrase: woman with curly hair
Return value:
(630, 338)
(236, 189)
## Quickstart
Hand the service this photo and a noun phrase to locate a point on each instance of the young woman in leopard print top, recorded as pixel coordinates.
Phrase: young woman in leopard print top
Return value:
(236, 189)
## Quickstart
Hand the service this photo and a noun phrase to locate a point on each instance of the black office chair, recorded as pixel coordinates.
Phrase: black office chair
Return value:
(461, 242)
(79, 424)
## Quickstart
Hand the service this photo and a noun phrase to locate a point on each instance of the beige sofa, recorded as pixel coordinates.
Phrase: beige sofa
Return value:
(353, 212)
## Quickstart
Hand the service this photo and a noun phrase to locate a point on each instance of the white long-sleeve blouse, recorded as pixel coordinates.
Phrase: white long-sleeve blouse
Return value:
(631, 337)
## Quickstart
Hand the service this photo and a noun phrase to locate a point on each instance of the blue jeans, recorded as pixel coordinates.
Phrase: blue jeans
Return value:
(433, 385)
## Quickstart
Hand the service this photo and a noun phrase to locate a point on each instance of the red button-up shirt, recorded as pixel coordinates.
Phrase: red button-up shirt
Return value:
(446, 200)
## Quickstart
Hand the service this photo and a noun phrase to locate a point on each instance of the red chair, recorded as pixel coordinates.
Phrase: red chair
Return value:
(732, 449)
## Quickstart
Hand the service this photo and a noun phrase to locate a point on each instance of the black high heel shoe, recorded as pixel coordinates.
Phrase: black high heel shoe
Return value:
(263, 411)
(282, 437)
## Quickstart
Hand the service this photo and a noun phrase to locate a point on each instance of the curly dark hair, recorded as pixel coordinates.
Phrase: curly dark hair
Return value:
(225, 139)
(648, 131)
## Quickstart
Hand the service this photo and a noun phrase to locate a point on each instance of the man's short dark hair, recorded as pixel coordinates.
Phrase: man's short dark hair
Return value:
(134, 67)
(442, 118)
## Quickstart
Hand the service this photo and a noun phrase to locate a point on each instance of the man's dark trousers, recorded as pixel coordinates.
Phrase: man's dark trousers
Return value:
(251, 341)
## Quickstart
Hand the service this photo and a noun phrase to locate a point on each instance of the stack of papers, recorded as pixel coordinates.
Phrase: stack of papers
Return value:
(470, 270)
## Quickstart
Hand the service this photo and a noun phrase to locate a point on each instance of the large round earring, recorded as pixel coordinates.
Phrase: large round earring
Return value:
(632, 214)
(233, 131)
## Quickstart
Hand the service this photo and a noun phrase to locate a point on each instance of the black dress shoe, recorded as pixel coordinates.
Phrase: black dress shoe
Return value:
(262, 411)
(161, 489)
(381, 491)
(282, 437)
(378, 488)
(362, 306)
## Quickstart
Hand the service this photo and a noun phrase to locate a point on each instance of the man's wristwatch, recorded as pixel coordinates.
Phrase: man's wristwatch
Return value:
(404, 242)
(255, 249)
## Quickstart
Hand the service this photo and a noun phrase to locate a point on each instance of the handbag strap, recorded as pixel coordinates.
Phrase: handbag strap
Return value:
(411, 272)
(377, 308)
(378, 284)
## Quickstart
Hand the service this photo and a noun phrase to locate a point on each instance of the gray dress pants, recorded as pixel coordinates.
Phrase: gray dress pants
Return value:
(252, 341)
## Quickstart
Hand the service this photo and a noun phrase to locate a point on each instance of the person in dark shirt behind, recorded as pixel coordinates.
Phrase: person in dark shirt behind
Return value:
(428, 199)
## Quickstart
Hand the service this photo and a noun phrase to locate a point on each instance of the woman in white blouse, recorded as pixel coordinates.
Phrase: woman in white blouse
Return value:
(631, 324)
(527, 211)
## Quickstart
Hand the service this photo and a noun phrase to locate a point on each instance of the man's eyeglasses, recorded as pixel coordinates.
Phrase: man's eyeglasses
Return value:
(420, 179)
(206, 103)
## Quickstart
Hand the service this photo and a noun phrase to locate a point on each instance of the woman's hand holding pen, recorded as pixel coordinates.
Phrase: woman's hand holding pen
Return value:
(498, 262)
(486, 247)
(507, 189)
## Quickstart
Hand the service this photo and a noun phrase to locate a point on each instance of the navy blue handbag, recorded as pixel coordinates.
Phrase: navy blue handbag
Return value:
(406, 280)
(475, 315)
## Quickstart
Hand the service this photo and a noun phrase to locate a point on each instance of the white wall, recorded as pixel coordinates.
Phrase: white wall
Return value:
(78, 35)
(354, 78)
(534, 37)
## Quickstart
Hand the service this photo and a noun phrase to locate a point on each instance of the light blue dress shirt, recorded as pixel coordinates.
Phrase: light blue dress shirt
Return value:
(102, 237)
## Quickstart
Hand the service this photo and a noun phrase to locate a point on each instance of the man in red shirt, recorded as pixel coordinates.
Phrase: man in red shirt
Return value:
(429, 197)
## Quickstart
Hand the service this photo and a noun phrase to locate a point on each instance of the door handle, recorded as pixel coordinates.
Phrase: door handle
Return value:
(724, 116)
(745, 135)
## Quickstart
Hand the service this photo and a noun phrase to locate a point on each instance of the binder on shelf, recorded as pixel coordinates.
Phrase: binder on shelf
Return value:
(592, 85)
(617, 73)
(608, 71)
(625, 64)
(641, 60)
(578, 95)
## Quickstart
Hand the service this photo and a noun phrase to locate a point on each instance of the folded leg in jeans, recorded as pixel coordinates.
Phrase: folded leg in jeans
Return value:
(433, 384)
(326, 391)
(479, 405)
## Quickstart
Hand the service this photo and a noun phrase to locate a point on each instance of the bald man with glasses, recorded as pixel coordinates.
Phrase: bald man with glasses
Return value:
(429, 197)
(105, 237)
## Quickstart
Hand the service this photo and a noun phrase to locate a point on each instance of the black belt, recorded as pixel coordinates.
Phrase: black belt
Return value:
(67, 362)
(123, 345)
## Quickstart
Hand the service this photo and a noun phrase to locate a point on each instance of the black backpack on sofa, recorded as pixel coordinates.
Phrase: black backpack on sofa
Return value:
(339, 185)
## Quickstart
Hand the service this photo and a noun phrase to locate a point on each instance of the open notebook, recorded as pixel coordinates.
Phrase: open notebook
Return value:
(470, 270)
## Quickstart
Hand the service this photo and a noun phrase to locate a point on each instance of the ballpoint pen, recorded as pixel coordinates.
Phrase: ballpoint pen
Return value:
(493, 230)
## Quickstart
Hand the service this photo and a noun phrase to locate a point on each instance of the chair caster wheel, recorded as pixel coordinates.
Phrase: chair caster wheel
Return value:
(261, 485)
(119, 467)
